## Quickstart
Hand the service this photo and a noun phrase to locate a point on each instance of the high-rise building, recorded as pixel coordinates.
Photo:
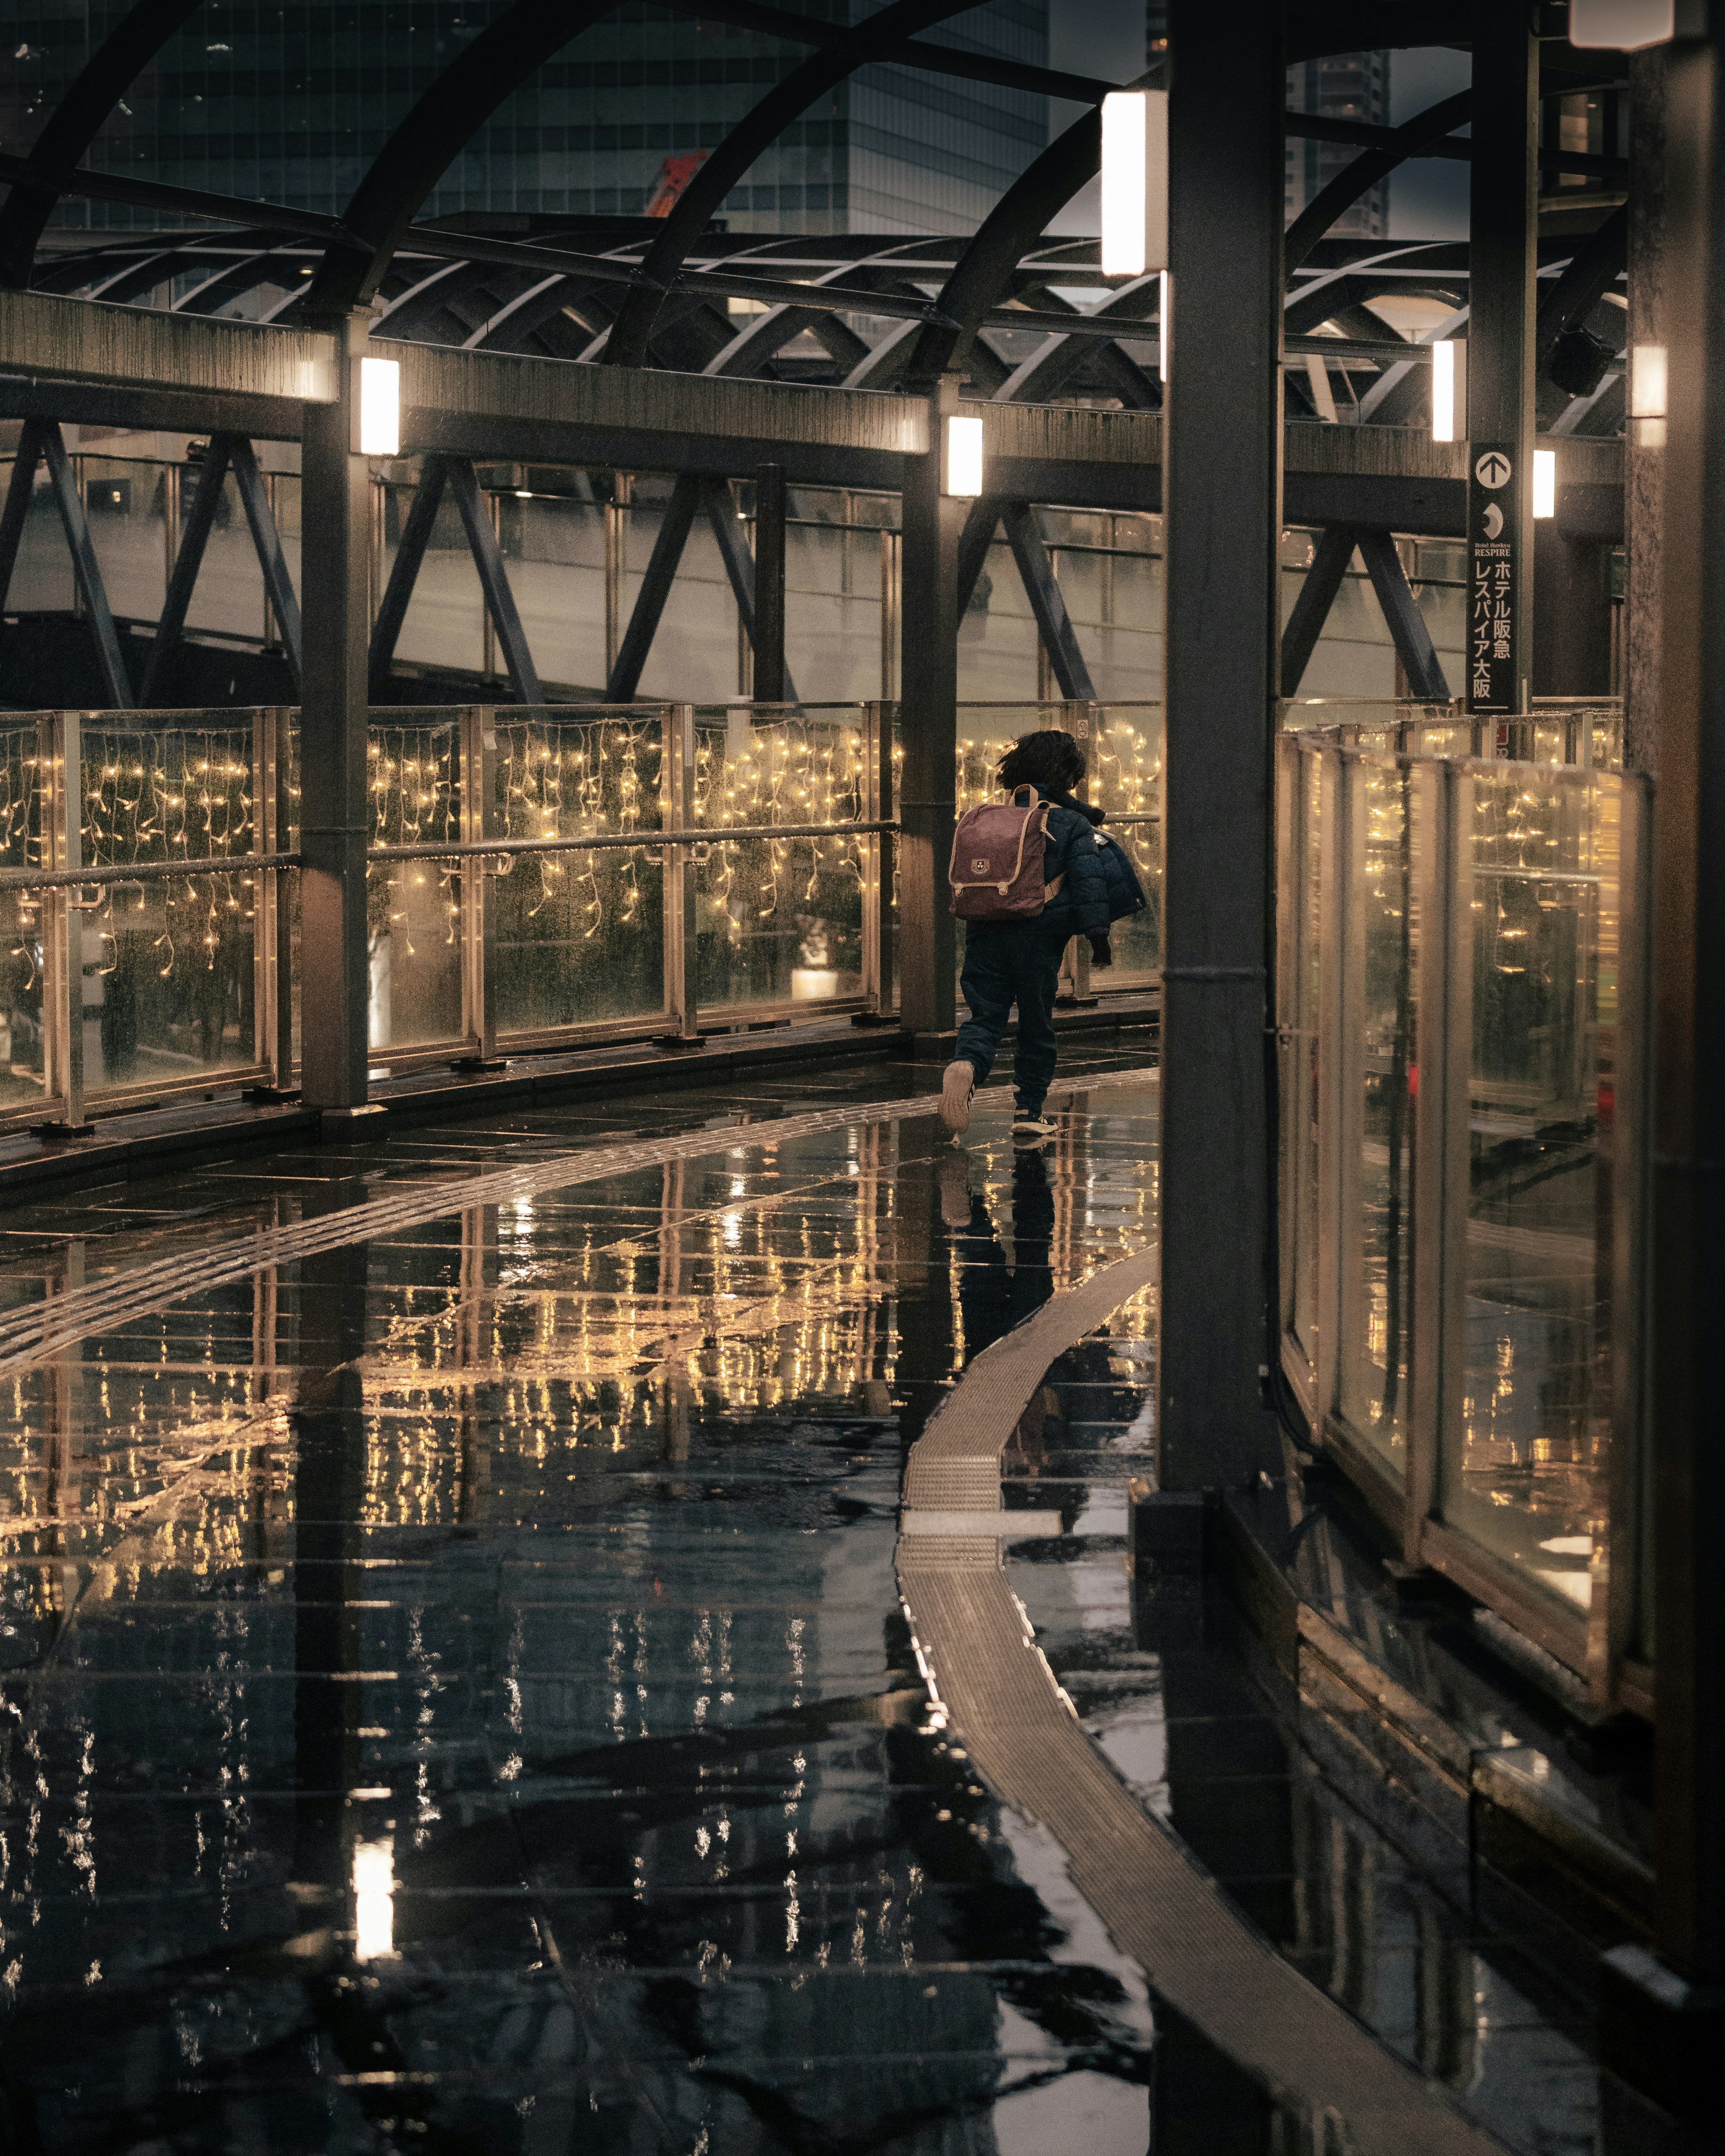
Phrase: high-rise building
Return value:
(1342, 86)
(287, 102)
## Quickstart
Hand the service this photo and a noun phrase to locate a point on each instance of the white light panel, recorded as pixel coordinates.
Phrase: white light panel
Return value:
(379, 408)
(1449, 390)
(373, 1871)
(1623, 26)
(1134, 182)
(964, 456)
(1545, 482)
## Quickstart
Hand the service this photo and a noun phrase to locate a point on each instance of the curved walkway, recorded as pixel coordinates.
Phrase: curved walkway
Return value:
(979, 1653)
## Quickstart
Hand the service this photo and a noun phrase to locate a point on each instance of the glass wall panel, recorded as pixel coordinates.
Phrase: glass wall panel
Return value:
(42, 581)
(125, 503)
(1524, 1476)
(413, 908)
(554, 549)
(228, 595)
(694, 654)
(1376, 1332)
(779, 920)
(169, 979)
(22, 1077)
(580, 938)
(445, 620)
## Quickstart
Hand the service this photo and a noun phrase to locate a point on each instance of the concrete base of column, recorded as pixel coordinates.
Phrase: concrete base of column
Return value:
(369, 1119)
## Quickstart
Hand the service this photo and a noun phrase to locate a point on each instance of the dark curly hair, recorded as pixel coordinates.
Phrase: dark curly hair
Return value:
(1050, 759)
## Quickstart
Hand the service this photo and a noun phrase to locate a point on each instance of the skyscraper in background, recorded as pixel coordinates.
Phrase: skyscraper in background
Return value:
(1342, 86)
(289, 102)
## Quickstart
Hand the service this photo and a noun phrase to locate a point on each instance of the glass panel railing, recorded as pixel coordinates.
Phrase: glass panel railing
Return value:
(413, 907)
(780, 919)
(169, 964)
(22, 958)
(1522, 1471)
(577, 938)
(1566, 730)
(1375, 1234)
(1463, 1112)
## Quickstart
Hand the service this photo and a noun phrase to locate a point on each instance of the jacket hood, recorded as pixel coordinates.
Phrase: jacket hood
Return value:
(1092, 815)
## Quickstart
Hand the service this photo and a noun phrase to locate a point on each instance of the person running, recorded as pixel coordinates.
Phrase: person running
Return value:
(1019, 962)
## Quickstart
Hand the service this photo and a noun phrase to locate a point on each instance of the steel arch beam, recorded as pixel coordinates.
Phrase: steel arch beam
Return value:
(984, 271)
(441, 125)
(757, 131)
(1042, 374)
(1357, 179)
(75, 122)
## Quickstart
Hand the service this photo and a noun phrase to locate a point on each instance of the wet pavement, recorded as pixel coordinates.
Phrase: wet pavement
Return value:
(456, 1697)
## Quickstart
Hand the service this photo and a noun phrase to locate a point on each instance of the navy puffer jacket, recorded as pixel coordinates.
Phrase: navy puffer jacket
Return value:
(1079, 907)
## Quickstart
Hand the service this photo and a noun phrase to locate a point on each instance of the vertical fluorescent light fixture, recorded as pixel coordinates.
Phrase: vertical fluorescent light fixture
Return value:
(1545, 482)
(964, 456)
(1163, 326)
(1134, 182)
(1647, 395)
(373, 1901)
(1622, 26)
(1449, 390)
(380, 408)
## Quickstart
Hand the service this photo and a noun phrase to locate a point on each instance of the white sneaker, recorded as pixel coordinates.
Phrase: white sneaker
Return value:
(956, 1089)
(1031, 1130)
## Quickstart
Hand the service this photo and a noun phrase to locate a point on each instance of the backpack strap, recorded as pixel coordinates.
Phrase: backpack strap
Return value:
(1018, 790)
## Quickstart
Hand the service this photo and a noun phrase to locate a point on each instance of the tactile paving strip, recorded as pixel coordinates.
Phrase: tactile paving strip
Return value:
(49, 1327)
(1022, 1734)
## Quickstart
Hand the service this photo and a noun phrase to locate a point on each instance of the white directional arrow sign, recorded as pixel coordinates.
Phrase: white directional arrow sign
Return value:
(1492, 469)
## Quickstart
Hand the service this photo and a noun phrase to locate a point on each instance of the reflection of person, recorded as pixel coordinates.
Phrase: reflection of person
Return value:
(1019, 962)
(996, 1290)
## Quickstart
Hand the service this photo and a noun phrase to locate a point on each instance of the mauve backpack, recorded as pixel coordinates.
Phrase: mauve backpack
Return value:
(998, 853)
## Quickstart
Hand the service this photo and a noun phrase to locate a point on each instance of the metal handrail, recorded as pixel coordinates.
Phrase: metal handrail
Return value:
(692, 834)
(696, 834)
(143, 872)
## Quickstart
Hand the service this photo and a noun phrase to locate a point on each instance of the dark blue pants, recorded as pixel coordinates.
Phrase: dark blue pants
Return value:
(1004, 964)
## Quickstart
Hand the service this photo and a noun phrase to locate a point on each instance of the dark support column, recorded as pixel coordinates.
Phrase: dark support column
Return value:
(928, 703)
(335, 494)
(1663, 2027)
(1503, 200)
(1223, 477)
(1572, 626)
(769, 584)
